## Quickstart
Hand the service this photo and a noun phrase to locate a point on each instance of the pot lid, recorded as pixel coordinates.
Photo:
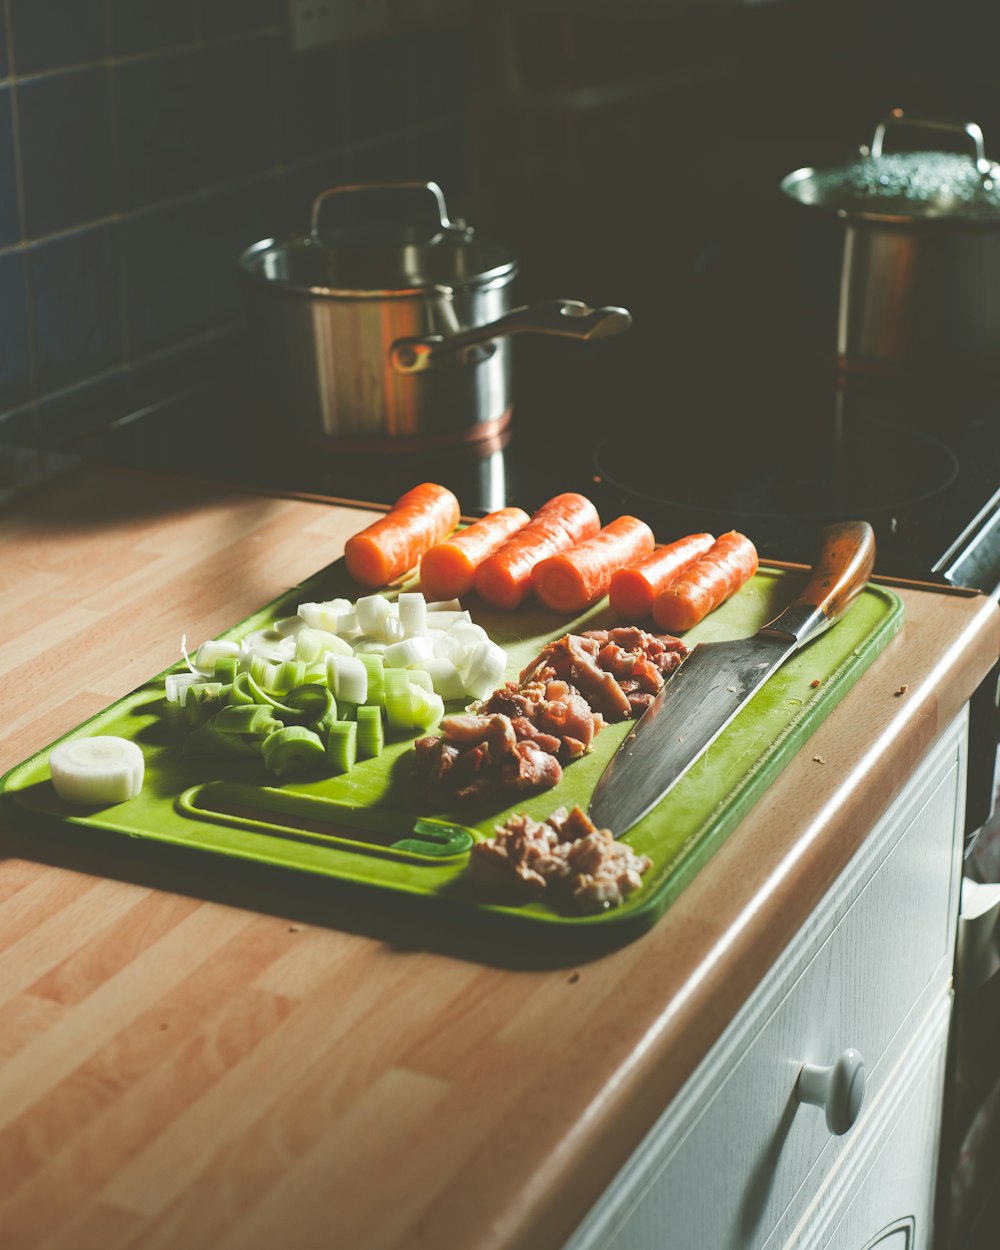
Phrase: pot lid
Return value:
(366, 255)
(907, 186)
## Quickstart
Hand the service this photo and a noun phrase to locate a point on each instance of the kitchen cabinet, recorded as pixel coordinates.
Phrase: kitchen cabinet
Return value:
(737, 1161)
(203, 1060)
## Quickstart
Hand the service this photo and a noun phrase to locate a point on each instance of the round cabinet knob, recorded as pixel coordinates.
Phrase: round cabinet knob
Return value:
(839, 1089)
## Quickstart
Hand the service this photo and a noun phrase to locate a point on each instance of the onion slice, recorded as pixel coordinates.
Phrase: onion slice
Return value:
(98, 770)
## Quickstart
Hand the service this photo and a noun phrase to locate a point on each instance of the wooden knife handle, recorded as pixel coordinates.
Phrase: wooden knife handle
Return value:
(844, 564)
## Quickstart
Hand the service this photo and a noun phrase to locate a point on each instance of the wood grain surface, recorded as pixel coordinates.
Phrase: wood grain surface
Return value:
(212, 1058)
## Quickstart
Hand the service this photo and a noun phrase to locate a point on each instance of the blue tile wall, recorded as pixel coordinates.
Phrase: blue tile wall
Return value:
(143, 145)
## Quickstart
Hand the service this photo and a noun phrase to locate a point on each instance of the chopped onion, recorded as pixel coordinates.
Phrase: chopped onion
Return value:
(209, 653)
(412, 613)
(323, 615)
(268, 644)
(347, 678)
(483, 671)
(98, 770)
(445, 619)
(289, 625)
(311, 643)
(446, 678)
(373, 611)
(393, 630)
(176, 685)
(409, 651)
(444, 605)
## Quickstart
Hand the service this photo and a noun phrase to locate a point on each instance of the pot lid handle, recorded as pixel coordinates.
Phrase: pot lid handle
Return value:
(969, 130)
(361, 188)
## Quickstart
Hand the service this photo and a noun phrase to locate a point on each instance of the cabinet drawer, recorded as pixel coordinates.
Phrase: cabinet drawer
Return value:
(728, 1162)
(882, 1196)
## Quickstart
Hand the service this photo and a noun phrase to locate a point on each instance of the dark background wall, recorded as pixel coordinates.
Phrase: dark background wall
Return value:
(143, 145)
(620, 147)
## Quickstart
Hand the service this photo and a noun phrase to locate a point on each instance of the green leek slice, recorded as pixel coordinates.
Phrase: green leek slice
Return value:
(342, 746)
(371, 736)
(292, 750)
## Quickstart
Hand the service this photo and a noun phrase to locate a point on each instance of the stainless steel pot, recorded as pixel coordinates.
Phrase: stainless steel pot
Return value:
(914, 241)
(396, 329)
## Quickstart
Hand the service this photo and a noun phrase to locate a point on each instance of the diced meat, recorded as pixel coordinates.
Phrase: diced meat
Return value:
(566, 854)
(573, 658)
(476, 756)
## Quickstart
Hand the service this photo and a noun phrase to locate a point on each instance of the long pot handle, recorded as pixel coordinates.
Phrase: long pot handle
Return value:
(564, 317)
(968, 130)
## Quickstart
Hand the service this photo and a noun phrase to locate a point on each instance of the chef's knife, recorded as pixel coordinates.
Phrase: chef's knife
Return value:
(718, 678)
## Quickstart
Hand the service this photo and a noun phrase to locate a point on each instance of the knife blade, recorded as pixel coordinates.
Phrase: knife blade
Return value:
(719, 678)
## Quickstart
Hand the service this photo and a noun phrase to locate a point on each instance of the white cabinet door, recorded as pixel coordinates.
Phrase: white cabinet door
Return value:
(736, 1158)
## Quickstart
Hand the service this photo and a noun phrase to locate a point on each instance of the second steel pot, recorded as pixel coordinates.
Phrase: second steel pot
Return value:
(396, 330)
(907, 245)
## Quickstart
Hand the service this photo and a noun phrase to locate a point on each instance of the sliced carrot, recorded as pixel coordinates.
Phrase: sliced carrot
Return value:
(393, 544)
(634, 587)
(571, 580)
(447, 571)
(711, 580)
(504, 578)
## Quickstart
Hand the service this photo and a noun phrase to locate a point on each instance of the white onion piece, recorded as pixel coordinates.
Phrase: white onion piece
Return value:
(445, 605)
(483, 671)
(369, 646)
(393, 630)
(209, 652)
(289, 625)
(310, 644)
(412, 613)
(448, 648)
(322, 615)
(98, 770)
(420, 677)
(409, 651)
(468, 634)
(176, 684)
(373, 611)
(446, 678)
(347, 678)
(446, 618)
(347, 625)
(269, 645)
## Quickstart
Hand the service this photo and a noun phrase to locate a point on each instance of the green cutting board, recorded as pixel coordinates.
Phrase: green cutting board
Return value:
(344, 828)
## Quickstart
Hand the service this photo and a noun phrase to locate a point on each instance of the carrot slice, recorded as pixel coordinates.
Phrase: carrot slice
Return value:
(393, 544)
(570, 580)
(719, 573)
(447, 571)
(634, 587)
(504, 578)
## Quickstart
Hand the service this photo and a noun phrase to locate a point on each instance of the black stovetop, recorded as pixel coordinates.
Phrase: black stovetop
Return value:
(773, 451)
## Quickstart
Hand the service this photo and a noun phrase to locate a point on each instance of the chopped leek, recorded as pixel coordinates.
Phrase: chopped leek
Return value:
(412, 613)
(371, 736)
(342, 746)
(290, 673)
(306, 705)
(347, 678)
(209, 653)
(243, 718)
(483, 670)
(409, 651)
(292, 750)
(375, 669)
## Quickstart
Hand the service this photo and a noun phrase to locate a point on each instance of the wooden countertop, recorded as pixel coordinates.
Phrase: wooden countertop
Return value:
(194, 1061)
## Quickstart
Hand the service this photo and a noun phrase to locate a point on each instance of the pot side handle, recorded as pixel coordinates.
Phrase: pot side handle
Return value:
(565, 318)
(968, 130)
